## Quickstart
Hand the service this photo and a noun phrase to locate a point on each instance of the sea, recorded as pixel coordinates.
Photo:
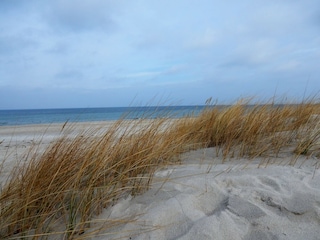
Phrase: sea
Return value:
(49, 116)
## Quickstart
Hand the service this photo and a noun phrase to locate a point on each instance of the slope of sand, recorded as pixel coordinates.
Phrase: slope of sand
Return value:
(235, 200)
(203, 198)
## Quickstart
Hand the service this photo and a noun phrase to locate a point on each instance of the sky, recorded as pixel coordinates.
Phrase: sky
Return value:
(103, 53)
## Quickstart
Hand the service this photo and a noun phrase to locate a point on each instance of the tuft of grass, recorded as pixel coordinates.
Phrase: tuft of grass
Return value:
(244, 130)
(76, 177)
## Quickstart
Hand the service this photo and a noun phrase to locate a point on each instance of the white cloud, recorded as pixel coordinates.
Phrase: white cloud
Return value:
(259, 52)
(291, 65)
(142, 74)
(203, 40)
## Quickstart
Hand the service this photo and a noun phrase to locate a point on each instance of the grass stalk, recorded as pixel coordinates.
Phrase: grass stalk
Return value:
(76, 177)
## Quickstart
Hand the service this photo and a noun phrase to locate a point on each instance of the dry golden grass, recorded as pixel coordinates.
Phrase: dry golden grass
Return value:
(244, 130)
(76, 177)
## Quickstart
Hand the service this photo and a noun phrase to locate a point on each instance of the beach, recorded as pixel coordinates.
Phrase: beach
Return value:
(204, 197)
(15, 141)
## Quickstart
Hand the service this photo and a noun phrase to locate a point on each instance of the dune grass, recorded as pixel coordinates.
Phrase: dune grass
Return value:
(58, 192)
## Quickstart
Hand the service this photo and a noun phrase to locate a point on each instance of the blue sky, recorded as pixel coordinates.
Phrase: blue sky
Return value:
(99, 53)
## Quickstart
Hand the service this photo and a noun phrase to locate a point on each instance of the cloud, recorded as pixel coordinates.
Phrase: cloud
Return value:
(160, 76)
(69, 74)
(252, 54)
(203, 40)
(13, 5)
(149, 74)
(290, 65)
(59, 47)
(138, 46)
(315, 19)
(80, 15)
(14, 44)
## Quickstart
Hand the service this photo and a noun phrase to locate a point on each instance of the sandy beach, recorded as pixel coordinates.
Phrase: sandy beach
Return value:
(15, 141)
(204, 197)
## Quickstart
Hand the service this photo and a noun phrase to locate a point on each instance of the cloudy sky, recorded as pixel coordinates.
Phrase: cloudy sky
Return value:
(99, 53)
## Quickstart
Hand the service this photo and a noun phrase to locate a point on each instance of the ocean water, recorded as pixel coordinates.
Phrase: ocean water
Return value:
(41, 116)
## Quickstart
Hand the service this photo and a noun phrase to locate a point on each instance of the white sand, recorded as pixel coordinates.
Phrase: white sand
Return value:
(204, 198)
(234, 200)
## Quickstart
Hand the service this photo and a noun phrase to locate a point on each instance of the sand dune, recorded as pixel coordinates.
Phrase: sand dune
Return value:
(234, 200)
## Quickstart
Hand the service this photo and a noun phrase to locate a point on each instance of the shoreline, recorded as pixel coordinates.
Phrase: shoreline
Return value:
(54, 124)
(54, 130)
(49, 116)
(45, 130)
